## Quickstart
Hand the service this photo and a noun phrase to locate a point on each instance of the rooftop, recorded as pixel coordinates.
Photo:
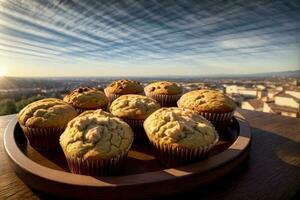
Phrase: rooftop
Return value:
(277, 108)
(293, 88)
(287, 96)
(256, 103)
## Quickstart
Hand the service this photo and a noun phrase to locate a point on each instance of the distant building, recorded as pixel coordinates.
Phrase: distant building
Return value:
(272, 92)
(253, 104)
(287, 100)
(262, 93)
(261, 87)
(284, 104)
(296, 82)
(295, 92)
(241, 90)
(193, 86)
(281, 110)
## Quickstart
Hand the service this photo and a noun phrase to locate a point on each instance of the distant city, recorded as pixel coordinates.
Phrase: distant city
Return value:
(277, 93)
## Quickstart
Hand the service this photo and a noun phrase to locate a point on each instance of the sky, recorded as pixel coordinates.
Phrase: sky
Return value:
(148, 38)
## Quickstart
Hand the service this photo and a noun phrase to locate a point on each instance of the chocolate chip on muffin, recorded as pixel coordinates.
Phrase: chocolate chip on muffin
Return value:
(121, 87)
(86, 98)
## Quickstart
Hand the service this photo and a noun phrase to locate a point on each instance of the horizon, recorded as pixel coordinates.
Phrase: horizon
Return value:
(294, 73)
(131, 39)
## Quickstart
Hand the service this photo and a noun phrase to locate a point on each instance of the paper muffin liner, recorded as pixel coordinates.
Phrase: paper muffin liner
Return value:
(43, 139)
(100, 167)
(218, 117)
(81, 110)
(169, 100)
(172, 156)
(138, 129)
(219, 120)
(111, 97)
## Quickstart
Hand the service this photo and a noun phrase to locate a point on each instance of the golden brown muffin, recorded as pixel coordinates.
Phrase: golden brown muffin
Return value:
(179, 135)
(179, 127)
(124, 87)
(163, 87)
(133, 106)
(208, 101)
(45, 113)
(43, 121)
(87, 98)
(134, 109)
(166, 93)
(94, 141)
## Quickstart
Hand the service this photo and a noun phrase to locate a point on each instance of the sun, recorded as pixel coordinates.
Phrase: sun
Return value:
(2, 71)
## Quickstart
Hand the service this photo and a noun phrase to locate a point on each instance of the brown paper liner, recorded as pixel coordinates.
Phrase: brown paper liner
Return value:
(111, 97)
(172, 156)
(101, 167)
(138, 129)
(219, 120)
(217, 117)
(81, 110)
(164, 100)
(43, 139)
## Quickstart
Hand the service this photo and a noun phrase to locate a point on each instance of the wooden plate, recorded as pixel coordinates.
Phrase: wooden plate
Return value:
(143, 175)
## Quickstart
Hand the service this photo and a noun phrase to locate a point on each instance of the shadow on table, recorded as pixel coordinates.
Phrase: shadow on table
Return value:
(272, 171)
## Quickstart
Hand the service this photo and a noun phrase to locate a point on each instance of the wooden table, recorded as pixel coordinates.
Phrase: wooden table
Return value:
(272, 171)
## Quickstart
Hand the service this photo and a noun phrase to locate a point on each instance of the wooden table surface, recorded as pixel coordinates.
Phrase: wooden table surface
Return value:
(272, 170)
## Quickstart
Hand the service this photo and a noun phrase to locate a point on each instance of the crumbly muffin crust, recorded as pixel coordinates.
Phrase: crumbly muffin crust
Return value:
(124, 87)
(207, 101)
(180, 127)
(96, 135)
(87, 98)
(46, 113)
(164, 87)
(133, 106)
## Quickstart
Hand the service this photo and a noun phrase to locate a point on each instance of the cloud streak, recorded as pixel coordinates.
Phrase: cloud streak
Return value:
(143, 30)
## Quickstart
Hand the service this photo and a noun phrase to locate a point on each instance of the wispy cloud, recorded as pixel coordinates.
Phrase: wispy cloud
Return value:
(132, 31)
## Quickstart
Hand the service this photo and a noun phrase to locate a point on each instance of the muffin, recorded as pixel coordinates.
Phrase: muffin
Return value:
(213, 105)
(179, 135)
(86, 98)
(96, 143)
(166, 93)
(43, 121)
(121, 87)
(134, 109)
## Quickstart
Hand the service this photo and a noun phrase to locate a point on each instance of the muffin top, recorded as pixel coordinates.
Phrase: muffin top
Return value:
(180, 127)
(96, 135)
(46, 113)
(206, 101)
(133, 106)
(163, 87)
(124, 87)
(86, 97)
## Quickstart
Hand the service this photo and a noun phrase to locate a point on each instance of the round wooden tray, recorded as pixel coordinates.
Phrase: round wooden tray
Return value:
(143, 175)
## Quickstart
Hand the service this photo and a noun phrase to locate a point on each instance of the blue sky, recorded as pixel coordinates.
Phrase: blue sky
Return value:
(112, 38)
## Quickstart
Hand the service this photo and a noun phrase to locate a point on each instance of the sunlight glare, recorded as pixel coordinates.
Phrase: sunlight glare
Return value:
(2, 71)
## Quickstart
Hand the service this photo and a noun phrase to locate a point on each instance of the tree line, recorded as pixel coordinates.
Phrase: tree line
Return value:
(11, 106)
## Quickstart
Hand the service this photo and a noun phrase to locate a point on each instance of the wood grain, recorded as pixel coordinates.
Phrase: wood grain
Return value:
(11, 187)
(272, 170)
